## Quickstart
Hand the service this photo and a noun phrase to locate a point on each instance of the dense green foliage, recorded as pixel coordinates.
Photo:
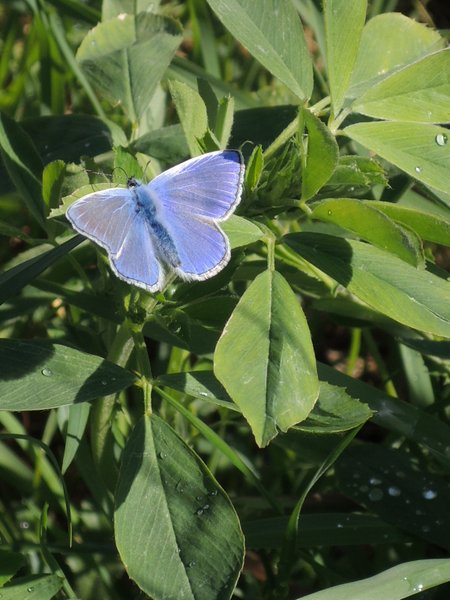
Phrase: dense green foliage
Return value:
(294, 408)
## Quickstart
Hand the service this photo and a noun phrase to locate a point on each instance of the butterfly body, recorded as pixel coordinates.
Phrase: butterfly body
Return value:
(170, 224)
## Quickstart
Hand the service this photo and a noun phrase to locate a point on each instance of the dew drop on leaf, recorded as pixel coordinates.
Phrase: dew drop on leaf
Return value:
(47, 372)
(441, 139)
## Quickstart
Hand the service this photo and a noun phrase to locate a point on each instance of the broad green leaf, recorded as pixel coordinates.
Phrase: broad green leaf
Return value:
(273, 34)
(389, 42)
(321, 156)
(418, 377)
(402, 581)
(416, 298)
(386, 478)
(420, 150)
(191, 112)
(429, 227)
(113, 8)
(167, 144)
(419, 92)
(176, 530)
(10, 563)
(35, 587)
(84, 135)
(241, 232)
(265, 359)
(126, 57)
(13, 280)
(41, 375)
(396, 415)
(23, 165)
(355, 175)
(371, 225)
(323, 529)
(344, 21)
(334, 410)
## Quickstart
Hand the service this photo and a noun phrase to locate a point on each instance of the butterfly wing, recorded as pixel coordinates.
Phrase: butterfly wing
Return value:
(192, 198)
(136, 261)
(208, 186)
(103, 217)
(109, 218)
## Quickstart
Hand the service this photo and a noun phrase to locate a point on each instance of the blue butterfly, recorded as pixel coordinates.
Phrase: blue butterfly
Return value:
(168, 225)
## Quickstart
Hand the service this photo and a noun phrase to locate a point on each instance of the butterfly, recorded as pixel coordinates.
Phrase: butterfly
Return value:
(170, 225)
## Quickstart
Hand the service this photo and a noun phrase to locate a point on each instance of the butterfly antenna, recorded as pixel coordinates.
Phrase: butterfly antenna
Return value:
(123, 171)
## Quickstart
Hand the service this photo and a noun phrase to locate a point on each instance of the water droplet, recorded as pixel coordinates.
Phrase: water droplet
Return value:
(199, 512)
(374, 481)
(394, 491)
(418, 169)
(330, 212)
(30, 589)
(103, 382)
(351, 188)
(47, 372)
(339, 526)
(24, 525)
(375, 495)
(418, 587)
(204, 394)
(441, 139)
(205, 507)
(429, 494)
(162, 455)
(199, 498)
(213, 493)
(191, 564)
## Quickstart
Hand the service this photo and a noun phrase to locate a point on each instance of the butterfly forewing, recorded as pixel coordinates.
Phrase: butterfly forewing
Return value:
(104, 217)
(207, 186)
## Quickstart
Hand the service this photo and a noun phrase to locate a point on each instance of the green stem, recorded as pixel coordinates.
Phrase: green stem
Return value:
(355, 349)
(145, 369)
(384, 373)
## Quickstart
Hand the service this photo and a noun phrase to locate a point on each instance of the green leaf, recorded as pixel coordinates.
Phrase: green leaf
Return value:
(113, 8)
(265, 359)
(419, 92)
(389, 42)
(420, 150)
(12, 281)
(10, 563)
(126, 57)
(191, 112)
(241, 232)
(23, 165)
(35, 587)
(273, 34)
(344, 21)
(41, 375)
(52, 181)
(429, 227)
(167, 144)
(355, 175)
(254, 169)
(402, 581)
(413, 297)
(396, 415)
(323, 529)
(321, 156)
(224, 120)
(386, 479)
(76, 425)
(176, 530)
(371, 225)
(335, 411)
